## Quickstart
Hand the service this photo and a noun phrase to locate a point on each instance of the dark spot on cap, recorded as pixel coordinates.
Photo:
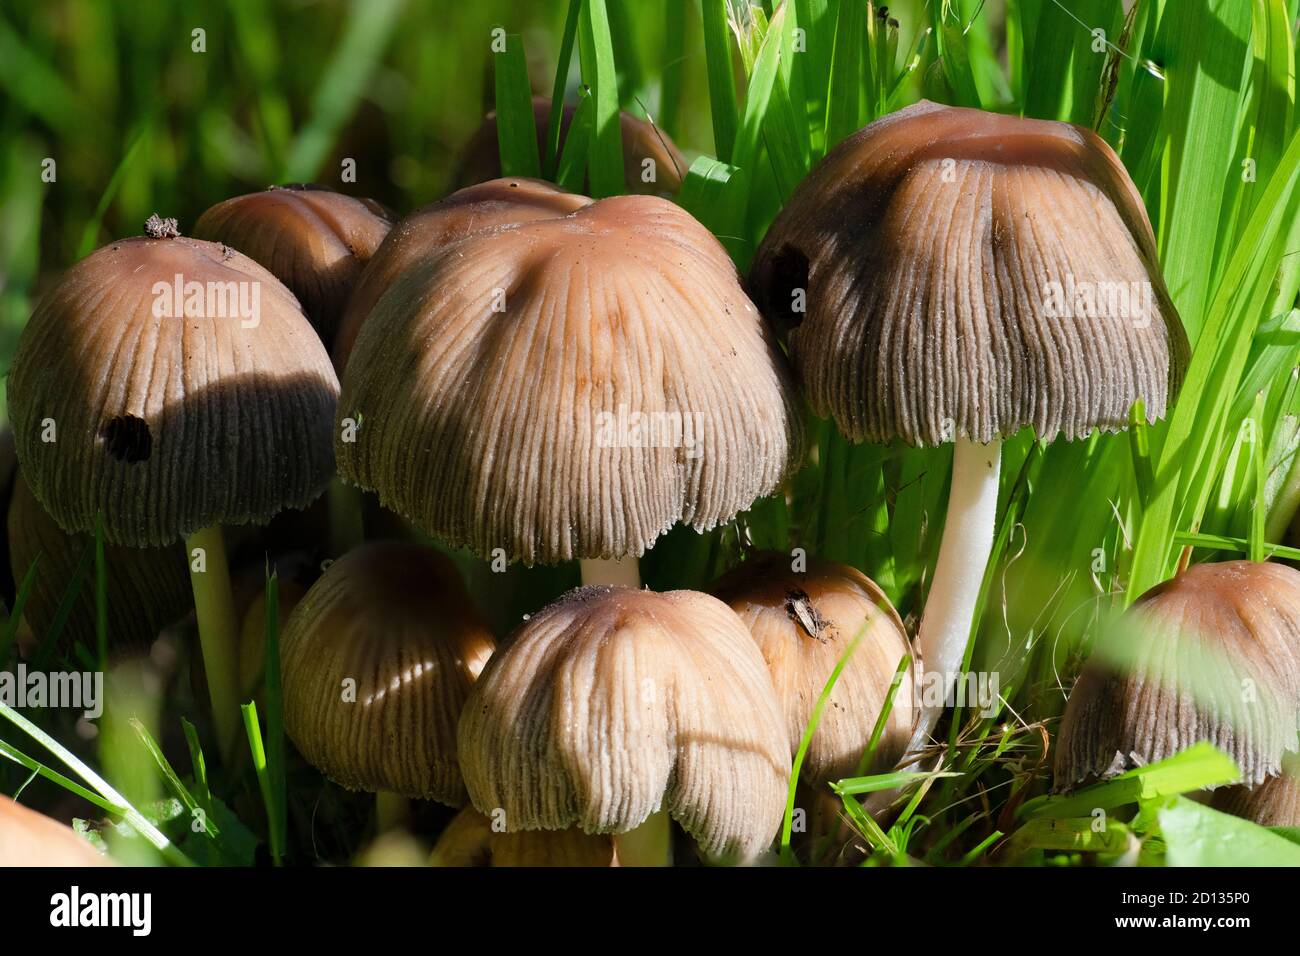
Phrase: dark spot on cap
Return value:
(787, 274)
(128, 438)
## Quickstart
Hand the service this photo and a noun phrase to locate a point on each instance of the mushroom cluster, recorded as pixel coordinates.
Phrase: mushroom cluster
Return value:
(524, 375)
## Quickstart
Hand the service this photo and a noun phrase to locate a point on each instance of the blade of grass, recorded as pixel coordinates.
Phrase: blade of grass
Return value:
(254, 730)
(516, 125)
(722, 85)
(551, 161)
(605, 142)
(130, 814)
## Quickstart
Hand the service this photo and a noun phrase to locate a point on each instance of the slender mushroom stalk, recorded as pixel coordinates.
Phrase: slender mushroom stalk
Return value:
(963, 556)
(214, 609)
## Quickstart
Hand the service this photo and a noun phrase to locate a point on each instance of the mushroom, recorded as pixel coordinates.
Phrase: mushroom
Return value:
(647, 151)
(804, 622)
(1273, 803)
(172, 386)
(613, 708)
(951, 275)
(472, 840)
(427, 230)
(314, 240)
(146, 588)
(1213, 654)
(377, 660)
(28, 838)
(569, 388)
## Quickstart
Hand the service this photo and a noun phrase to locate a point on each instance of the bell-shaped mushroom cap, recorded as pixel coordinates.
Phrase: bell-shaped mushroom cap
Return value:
(147, 588)
(377, 660)
(471, 840)
(804, 622)
(952, 273)
(28, 838)
(612, 704)
(312, 239)
(569, 388)
(171, 411)
(481, 160)
(425, 231)
(1273, 803)
(1213, 655)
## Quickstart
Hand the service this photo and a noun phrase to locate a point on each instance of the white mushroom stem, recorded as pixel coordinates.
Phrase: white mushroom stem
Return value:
(214, 609)
(958, 574)
(650, 844)
(621, 571)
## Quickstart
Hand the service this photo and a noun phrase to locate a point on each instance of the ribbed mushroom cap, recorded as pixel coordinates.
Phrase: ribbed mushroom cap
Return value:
(170, 424)
(625, 383)
(1213, 654)
(612, 704)
(804, 622)
(1273, 803)
(470, 840)
(481, 160)
(377, 660)
(948, 256)
(147, 588)
(424, 232)
(28, 838)
(312, 239)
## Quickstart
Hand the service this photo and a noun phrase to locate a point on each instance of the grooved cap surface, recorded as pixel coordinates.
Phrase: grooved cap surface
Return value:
(1213, 654)
(804, 622)
(393, 622)
(612, 703)
(169, 424)
(569, 388)
(948, 258)
(314, 240)
(425, 231)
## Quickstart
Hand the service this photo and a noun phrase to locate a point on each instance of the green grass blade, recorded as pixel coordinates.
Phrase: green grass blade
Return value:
(129, 813)
(605, 143)
(551, 161)
(516, 125)
(722, 86)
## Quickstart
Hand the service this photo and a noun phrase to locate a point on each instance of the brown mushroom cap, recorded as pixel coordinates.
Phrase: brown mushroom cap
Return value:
(427, 230)
(471, 840)
(804, 622)
(1213, 654)
(168, 425)
(481, 160)
(514, 429)
(314, 240)
(393, 624)
(612, 704)
(927, 245)
(147, 588)
(28, 838)
(1273, 803)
